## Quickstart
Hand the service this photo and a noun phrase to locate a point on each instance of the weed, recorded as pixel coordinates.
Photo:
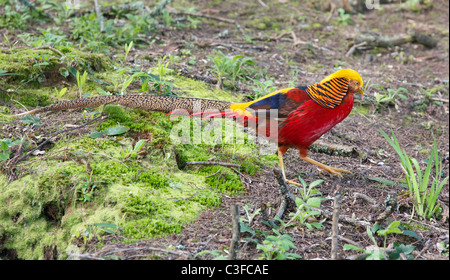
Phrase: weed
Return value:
(5, 146)
(217, 254)
(231, 68)
(127, 50)
(261, 88)
(306, 203)
(14, 18)
(423, 187)
(87, 189)
(276, 247)
(376, 253)
(389, 96)
(81, 80)
(344, 18)
(133, 152)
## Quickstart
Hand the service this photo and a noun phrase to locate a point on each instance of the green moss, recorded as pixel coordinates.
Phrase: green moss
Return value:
(146, 196)
(363, 110)
(145, 228)
(193, 88)
(153, 179)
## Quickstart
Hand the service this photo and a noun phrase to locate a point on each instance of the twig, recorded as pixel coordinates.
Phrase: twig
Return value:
(287, 199)
(50, 48)
(83, 257)
(215, 173)
(263, 4)
(226, 164)
(236, 232)
(439, 99)
(373, 203)
(334, 227)
(354, 47)
(172, 11)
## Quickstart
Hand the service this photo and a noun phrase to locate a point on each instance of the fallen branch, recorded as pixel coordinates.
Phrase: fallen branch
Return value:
(236, 232)
(373, 203)
(335, 227)
(226, 164)
(354, 47)
(373, 40)
(439, 99)
(140, 248)
(288, 198)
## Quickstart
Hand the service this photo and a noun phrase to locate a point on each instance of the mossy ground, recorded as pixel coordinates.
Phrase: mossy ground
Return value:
(154, 193)
(144, 196)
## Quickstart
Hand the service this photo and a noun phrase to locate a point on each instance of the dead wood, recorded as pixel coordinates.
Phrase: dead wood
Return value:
(236, 232)
(287, 198)
(369, 40)
(335, 227)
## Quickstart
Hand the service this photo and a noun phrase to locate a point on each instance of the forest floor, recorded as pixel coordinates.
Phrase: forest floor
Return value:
(301, 44)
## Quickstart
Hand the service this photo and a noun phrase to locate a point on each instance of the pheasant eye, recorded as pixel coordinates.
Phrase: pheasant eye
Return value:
(356, 83)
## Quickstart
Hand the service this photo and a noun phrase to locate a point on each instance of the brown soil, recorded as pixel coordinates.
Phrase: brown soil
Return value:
(324, 48)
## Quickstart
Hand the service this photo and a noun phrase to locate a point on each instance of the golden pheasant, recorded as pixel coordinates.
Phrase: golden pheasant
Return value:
(303, 115)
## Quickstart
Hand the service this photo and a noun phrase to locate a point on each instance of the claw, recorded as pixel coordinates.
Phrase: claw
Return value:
(292, 182)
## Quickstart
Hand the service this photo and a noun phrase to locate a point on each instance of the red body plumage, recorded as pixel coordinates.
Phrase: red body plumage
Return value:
(302, 115)
(310, 121)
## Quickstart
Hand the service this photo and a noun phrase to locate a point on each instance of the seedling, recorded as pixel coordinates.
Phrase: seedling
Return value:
(424, 186)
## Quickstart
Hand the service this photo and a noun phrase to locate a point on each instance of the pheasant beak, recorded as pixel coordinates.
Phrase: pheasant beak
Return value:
(361, 91)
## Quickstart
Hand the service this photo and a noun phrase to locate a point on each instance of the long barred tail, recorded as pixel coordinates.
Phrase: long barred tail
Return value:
(166, 104)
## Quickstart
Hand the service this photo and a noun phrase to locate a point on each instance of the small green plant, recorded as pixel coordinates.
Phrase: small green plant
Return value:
(162, 67)
(443, 248)
(31, 120)
(60, 94)
(81, 80)
(308, 201)
(250, 217)
(127, 50)
(5, 145)
(217, 254)
(261, 89)
(424, 186)
(132, 152)
(344, 18)
(389, 96)
(87, 189)
(276, 247)
(376, 253)
(14, 18)
(231, 68)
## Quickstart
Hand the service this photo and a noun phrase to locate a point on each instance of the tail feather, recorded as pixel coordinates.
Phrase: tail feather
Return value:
(165, 104)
